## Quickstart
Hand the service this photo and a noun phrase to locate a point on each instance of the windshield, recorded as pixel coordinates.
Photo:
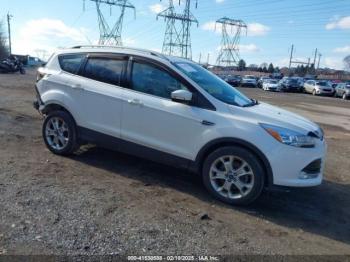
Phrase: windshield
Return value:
(249, 77)
(322, 83)
(213, 84)
(272, 81)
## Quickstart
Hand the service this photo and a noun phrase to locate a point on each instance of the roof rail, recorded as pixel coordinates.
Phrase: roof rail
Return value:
(154, 53)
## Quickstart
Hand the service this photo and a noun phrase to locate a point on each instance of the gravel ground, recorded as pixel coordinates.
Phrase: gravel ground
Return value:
(103, 202)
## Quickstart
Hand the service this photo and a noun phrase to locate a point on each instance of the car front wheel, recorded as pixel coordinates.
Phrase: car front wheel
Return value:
(344, 96)
(233, 175)
(59, 133)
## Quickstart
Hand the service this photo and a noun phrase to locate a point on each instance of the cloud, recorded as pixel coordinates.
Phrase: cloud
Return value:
(333, 62)
(344, 49)
(257, 29)
(219, 1)
(249, 48)
(157, 8)
(339, 23)
(47, 34)
(254, 29)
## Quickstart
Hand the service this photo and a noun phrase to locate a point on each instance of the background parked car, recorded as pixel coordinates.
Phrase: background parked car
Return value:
(270, 85)
(249, 81)
(261, 81)
(343, 90)
(318, 88)
(289, 85)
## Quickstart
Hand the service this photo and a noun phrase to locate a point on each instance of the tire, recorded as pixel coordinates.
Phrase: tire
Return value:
(66, 132)
(215, 182)
(22, 71)
(314, 92)
(344, 97)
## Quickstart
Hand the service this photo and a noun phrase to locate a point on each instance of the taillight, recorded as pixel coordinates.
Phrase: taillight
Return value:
(41, 74)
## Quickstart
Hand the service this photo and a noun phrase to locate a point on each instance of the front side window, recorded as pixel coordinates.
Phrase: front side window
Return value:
(71, 63)
(213, 85)
(105, 70)
(154, 81)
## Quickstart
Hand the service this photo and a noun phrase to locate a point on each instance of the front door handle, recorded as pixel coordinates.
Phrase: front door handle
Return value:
(77, 86)
(135, 102)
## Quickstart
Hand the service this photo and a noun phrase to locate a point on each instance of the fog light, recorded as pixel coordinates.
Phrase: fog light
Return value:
(304, 175)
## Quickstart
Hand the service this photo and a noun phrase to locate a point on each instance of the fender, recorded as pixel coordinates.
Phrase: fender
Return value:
(196, 166)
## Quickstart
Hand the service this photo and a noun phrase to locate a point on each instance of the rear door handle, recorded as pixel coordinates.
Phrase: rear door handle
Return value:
(135, 102)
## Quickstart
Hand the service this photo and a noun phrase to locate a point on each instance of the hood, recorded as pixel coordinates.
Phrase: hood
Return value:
(268, 114)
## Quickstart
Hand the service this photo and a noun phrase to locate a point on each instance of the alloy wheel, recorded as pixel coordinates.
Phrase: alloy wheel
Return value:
(231, 176)
(57, 133)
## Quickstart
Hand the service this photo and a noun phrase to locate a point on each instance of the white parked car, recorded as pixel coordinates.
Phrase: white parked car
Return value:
(318, 87)
(174, 111)
(249, 81)
(270, 85)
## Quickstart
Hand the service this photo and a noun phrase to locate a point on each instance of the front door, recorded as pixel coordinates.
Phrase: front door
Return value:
(150, 118)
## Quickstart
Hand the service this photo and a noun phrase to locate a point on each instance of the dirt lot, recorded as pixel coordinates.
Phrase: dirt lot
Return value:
(102, 202)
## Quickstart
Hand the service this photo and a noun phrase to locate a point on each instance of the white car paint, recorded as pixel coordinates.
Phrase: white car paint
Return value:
(177, 128)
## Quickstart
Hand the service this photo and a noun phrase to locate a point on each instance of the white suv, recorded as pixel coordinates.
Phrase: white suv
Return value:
(176, 112)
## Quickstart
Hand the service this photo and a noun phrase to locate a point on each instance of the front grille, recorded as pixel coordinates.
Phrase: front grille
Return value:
(314, 167)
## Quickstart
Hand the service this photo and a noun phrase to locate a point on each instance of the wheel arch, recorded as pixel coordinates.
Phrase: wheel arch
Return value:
(55, 106)
(223, 142)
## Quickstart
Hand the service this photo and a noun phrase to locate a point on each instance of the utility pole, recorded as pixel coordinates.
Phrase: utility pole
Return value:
(200, 58)
(111, 35)
(229, 50)
(315, 58)
(208, 58)
(319, 60)
(291, 57)
(9, 31)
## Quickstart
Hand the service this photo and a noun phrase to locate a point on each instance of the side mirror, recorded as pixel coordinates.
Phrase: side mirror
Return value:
(181, 96)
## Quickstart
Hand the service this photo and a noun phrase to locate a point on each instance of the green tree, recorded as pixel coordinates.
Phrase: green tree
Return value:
(241, 65)
(271, 69)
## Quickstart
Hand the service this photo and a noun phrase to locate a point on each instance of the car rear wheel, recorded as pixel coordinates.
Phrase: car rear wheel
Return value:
(344, 96)
(233, 175)
(59, 133)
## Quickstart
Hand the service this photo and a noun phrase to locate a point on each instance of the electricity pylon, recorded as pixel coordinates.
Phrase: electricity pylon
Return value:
(231, 35)
(111, 35)
(177, 39)
(172, 43)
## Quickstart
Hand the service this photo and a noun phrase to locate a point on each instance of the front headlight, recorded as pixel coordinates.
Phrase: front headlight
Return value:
(289, 137)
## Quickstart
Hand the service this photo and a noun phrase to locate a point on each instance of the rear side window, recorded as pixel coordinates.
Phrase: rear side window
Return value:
(104, 70)
(71, 63)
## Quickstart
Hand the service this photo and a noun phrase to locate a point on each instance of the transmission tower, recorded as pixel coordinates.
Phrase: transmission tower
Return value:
(231, 35)
(172, 43)
(177, 39)
(111, 35)
(188, 19)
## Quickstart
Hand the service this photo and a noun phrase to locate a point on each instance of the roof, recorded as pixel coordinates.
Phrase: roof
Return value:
(123, 50)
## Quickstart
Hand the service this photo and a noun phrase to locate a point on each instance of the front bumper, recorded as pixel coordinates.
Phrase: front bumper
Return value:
(291, 165)
(323, 92)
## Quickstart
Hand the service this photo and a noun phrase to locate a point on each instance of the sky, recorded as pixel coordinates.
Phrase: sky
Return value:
(273, 26)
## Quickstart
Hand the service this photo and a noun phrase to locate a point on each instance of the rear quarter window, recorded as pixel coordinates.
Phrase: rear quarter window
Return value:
(71, 63)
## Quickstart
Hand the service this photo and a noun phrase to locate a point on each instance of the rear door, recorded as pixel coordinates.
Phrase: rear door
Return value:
(97, 93)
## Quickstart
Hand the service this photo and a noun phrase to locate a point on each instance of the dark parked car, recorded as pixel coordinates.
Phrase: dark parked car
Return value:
(290, 85)
(234, 80)
(343, 90)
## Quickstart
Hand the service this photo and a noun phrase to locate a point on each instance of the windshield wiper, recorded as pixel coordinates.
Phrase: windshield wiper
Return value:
(253, 102)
